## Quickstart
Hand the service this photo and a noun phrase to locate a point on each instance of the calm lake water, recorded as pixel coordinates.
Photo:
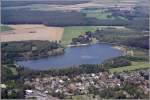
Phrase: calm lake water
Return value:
(89, 54)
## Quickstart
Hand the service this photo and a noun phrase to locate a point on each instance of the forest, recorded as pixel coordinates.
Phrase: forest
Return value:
(29, 50)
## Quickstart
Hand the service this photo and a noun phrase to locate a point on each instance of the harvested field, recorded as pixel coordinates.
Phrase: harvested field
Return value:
(32, 32)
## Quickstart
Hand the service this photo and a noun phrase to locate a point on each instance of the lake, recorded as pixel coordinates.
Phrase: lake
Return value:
(73, 56)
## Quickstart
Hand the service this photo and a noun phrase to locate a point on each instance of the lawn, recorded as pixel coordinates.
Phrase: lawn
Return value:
(134, 66)
(75, 31)
(4, 28)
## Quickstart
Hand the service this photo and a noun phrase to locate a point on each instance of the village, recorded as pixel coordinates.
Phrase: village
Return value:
(58, 86)
(75, 49)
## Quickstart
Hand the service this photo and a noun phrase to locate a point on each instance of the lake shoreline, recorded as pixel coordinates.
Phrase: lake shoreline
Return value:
(114, 45)
(75, 56)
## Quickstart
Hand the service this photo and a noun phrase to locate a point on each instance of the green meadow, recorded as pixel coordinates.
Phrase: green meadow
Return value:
(134, 66)
(75, 31)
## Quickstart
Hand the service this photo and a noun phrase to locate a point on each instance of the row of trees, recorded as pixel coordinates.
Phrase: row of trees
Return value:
(116, 62)
(81, 69)
(141, 42)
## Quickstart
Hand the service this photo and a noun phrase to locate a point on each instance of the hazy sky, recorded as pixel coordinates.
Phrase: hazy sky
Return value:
(46, 0)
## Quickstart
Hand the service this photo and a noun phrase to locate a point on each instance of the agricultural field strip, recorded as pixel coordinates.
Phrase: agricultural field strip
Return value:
(32, 32)
(65, 34)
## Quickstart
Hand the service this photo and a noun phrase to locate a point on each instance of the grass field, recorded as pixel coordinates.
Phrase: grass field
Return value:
(102, 15)
(134, 66)
(5, 28)
(75, 31)
(99, 15)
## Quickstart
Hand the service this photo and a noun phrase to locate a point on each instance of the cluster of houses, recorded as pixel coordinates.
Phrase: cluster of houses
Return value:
(82, 39)
(45, 87)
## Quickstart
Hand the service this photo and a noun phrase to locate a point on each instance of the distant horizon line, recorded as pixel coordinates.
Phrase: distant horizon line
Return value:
(46, 0)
